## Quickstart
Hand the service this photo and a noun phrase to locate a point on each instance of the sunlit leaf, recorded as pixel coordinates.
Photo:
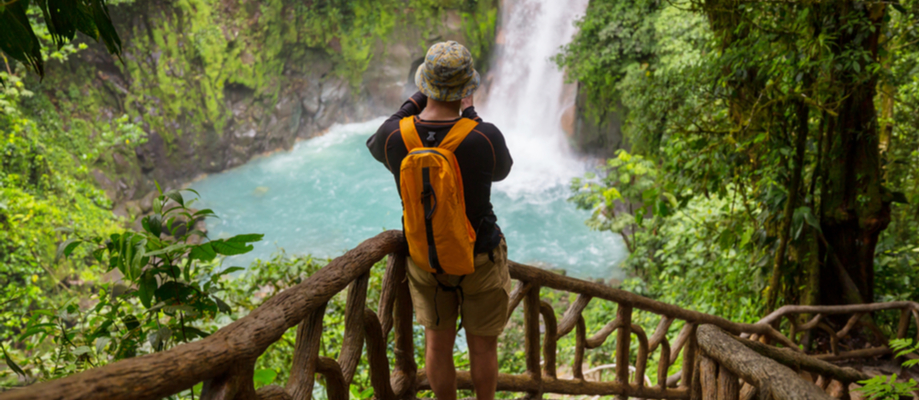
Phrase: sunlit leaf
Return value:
(66, 248)
(264, 376)
(9, 362)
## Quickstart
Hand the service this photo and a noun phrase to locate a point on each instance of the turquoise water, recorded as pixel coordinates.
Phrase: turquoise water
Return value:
(328, 194)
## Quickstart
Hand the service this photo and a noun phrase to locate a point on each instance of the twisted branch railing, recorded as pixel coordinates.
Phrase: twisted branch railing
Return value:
(225, 360)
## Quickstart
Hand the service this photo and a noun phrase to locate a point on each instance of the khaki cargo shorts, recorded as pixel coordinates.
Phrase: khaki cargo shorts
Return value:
(485, 296)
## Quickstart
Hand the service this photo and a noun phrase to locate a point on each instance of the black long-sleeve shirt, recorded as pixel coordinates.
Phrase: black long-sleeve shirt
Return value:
(483, 158)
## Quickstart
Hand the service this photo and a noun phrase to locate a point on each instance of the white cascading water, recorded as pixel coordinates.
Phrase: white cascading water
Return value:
(528, 96)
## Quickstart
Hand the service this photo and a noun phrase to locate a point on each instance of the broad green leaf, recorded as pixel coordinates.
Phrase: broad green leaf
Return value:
(804, 214)
(152, 224)
(32, 331)
(66, 248)
(11, 364)
(746, 236)
(235, 245)
(671, 199)
(81, 350)
(611, 195)
(146, 288)
(98, 253)
(221, 306)
(18, 39)
(131, 322)
(158, 205)
(248, 238)
(175, 196)
(264, 376)
(203, 252)
(168, 249)
(158, 338)
(230, 270)
(101, 342)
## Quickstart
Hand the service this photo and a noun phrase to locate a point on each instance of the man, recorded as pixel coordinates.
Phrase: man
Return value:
(446, 81)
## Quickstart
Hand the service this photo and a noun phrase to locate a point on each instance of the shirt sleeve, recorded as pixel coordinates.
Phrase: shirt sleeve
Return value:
(470, 112)
(503, 159)
(377, 142)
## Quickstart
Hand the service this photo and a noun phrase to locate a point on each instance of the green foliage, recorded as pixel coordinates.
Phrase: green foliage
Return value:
(687, 250)
(613, 38)
(479, 29)
(167, 288)
(884, 387)
(181, 64)
(46, 194)
(711, 93)
(62, 20)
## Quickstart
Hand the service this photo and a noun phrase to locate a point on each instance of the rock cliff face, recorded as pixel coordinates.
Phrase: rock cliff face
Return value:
(600, 138)
(213, 85)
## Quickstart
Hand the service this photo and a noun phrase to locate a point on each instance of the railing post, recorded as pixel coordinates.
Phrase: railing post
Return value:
(272, 392)
(709, 382)
(549, 339)
(624, 316)
(686, 375)
(728, 384)
(904, 323)
(580, 343)
(663, 362)
(388, 287)
(236, 384)
(306, 351)
(641, 356)
(353, 342)
(336, 388)
(570, 318)
(404, 367)
(532, 339)
(377, 357)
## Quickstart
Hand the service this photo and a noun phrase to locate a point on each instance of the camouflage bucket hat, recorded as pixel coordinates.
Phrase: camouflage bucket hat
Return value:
(447, 73)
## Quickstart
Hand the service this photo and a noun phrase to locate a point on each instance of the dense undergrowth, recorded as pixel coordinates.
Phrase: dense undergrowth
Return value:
(702, 197)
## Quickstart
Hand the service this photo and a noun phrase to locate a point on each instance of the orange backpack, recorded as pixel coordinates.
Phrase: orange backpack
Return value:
(440, 236)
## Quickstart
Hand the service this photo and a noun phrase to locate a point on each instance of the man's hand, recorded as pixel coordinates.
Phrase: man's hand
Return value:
(467, 102)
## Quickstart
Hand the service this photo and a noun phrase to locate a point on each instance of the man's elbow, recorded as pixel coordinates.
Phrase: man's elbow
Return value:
(501, 174)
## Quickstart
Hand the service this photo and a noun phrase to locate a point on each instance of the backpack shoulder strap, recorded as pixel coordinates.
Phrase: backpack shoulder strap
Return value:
(409, 134)
(461, 129)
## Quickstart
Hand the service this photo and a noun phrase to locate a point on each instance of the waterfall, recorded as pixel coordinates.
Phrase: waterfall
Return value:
(328, 194)
(528, 98)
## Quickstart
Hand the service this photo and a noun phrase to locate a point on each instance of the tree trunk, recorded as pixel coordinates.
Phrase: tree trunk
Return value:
(792, 199)
(853, 210)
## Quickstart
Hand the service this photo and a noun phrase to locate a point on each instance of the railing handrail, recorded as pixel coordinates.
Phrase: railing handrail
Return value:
(553, 280)
(836, 310)
(226, 359)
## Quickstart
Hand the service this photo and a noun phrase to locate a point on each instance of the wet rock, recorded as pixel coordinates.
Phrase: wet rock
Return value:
(120, 160)
(285, 108)
(568, 120)
(146, 202)
(310, 103)
(133, 209)
(105, 183)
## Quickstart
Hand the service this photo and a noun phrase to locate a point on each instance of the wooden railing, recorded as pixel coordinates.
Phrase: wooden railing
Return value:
(225, 360)
(766, 372)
